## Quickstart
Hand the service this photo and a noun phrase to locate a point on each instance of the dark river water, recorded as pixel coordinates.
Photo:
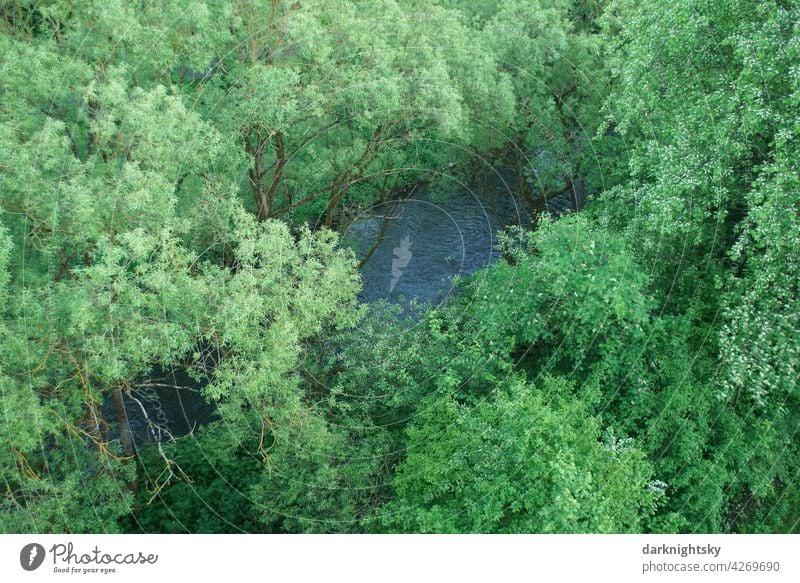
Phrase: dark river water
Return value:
(424, 241)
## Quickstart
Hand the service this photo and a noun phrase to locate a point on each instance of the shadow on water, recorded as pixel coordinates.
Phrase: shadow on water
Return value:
(172, 402)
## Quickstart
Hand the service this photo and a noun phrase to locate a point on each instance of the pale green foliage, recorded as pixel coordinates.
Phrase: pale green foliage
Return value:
(280, 294)
(332, 102)
(559, 82)
(144, 300)
(114, 269)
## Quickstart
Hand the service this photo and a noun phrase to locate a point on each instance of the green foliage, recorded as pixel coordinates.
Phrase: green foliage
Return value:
(214, 498)
(525, 459)
(571, 296)
(706, 97)
(171, 182)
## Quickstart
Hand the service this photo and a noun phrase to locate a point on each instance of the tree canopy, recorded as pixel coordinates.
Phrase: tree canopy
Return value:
(175, 181)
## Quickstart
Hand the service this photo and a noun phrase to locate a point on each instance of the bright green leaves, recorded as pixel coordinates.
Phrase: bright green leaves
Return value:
(53, 480)
(524, 459)
(115, 266)
(272, 97)
(37, 80)
(572, 293)
(22, 415)
(132, 306)
(150, 151)
(301, 286)
(706, 97)
(154, 39)
(559, 82)
(143, 299)
(691, 101)
(336, 107)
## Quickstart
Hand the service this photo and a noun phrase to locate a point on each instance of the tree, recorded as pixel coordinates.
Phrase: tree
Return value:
(706, 97)
(171, 181)
(570, 296)
(524, 459)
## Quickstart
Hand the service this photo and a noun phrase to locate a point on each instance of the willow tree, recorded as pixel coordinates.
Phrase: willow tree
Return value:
(335, 104)
(552, 54)
(110, 269)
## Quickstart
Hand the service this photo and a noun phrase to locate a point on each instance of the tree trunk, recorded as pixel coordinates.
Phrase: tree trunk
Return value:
(280, 152)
